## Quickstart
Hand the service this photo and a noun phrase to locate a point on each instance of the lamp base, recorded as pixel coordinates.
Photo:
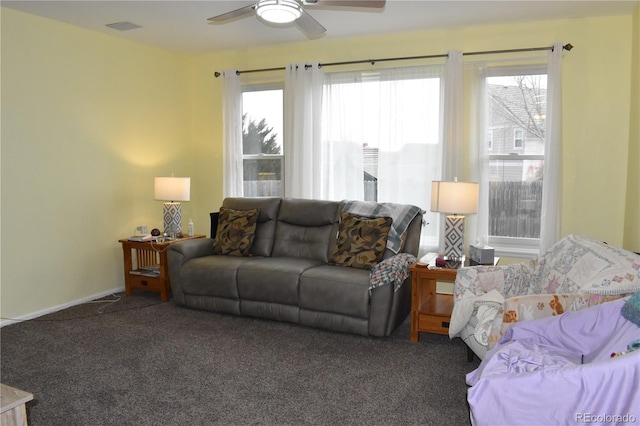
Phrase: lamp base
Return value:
(454, 237)
(172, 213)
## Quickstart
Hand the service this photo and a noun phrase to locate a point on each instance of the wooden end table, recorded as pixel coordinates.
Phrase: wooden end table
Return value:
(430, 311)
(146, 266)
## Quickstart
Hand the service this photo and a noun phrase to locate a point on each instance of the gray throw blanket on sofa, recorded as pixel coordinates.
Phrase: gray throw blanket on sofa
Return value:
(402, 215)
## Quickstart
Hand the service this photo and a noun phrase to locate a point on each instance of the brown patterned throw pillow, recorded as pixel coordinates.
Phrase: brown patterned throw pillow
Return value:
(361, 241)
(235, 232)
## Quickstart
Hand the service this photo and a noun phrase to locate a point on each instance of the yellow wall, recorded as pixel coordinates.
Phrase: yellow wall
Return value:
(632, 222)
(88, 120)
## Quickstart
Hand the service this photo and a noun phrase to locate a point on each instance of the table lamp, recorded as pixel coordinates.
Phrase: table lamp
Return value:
(455, 199)
(172, 190)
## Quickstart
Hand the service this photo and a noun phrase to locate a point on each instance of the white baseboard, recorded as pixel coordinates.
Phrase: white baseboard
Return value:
(9, 321)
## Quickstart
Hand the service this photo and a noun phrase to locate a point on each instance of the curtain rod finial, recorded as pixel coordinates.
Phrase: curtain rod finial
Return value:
(216, 74)
(568, 47)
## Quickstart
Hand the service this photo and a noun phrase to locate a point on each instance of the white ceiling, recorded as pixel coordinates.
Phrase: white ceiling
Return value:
(182, 26)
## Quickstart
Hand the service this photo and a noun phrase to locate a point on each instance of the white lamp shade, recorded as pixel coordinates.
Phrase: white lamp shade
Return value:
(172, 188)
(278, 11)
(454, 197)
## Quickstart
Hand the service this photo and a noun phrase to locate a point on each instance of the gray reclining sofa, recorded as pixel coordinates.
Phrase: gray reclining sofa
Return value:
(288, 277)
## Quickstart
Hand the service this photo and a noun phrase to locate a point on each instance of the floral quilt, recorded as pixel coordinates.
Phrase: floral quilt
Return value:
(575, 273)
(535, 306)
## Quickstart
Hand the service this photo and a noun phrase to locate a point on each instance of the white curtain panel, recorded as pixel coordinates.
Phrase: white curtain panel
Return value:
(302, 129)
(453, 117)
(478, 224)
(344, 120)
(552, 183)
(232, 134)
(452, 130)
(386, 122)
(410, 134)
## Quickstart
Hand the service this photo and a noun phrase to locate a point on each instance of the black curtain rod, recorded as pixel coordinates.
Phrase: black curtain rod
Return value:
(566, 47)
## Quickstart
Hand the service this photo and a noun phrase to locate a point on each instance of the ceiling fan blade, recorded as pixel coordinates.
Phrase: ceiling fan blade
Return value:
(310, 25)
(374, 4)
(238, 13)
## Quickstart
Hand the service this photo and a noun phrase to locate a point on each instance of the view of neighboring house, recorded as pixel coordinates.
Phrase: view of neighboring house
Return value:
(516, 127)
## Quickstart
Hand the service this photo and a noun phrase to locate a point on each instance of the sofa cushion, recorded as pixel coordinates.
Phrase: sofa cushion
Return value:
(361, 241)
(266, 225)
(334, 289)
(236, 231)
(213, 275)
(305, 229)
(272, 279)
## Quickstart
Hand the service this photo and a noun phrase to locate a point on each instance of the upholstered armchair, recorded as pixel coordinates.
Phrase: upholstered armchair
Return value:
(572, 369)
(577, 272)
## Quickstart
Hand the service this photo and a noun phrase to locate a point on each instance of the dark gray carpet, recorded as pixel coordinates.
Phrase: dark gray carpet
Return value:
(139, 362)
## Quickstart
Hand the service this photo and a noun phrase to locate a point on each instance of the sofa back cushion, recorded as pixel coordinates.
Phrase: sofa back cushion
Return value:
(305, 228)
(266, 225)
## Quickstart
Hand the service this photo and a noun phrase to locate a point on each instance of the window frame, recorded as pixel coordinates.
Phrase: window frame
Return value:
(263, 87)
(517, 247)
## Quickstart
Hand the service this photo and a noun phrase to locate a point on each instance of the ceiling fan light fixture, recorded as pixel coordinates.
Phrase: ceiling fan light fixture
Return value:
(278, 11)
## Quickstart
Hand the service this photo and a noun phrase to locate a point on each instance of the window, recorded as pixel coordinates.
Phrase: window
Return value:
(386, 124)
(518, 139)
(380, 139)
(516, 113)
(262, 154)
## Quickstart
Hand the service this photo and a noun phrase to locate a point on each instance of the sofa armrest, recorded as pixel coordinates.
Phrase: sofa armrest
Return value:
(390, 290)
(190, 249)
(178, 254)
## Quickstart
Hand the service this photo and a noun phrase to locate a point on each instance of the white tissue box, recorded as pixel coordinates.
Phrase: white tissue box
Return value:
(482, 255)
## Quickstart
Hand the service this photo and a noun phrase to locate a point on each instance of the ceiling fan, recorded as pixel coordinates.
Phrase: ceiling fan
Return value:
(287, 11)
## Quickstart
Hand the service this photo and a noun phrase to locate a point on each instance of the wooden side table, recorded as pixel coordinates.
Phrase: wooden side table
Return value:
(146, 266)
(430, 311)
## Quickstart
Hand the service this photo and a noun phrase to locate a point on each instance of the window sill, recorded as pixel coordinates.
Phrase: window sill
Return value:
(515, 247)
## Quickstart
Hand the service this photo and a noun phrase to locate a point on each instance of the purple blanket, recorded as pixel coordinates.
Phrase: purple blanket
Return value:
(559, 371)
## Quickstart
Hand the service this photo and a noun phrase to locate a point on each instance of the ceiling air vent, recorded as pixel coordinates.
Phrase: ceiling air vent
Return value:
(123, 26)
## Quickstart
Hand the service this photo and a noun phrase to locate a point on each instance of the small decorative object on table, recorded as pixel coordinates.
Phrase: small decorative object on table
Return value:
(481, 254)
